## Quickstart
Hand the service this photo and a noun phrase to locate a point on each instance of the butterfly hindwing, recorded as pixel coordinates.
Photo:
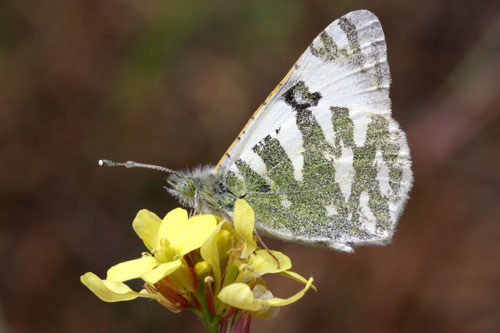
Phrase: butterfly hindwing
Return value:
(322, 161)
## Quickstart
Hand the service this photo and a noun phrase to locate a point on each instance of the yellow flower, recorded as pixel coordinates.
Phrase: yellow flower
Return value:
(210, 266)
(168, 240)
(246, 265)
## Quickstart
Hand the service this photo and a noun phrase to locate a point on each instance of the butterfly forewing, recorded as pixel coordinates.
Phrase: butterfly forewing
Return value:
(322, 161)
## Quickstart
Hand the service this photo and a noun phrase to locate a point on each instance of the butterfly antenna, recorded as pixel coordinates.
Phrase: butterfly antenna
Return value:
(132, 164)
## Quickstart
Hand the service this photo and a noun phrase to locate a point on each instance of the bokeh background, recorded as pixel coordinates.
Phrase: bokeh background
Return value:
(172, 83)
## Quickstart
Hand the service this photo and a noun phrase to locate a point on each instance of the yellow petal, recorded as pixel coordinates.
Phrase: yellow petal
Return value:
(169, 228)
(161, 271)
(224, 243)
(146, 225)
(281, 302)
(108, 291)
(240, 296)
(131, 269)
(210, 253)
(244, 220)
(192, 234)
(297, 277)
(263, 262)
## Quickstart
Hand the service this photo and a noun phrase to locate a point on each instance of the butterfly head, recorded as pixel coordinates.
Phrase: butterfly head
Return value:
(193, 188)
(181, 186)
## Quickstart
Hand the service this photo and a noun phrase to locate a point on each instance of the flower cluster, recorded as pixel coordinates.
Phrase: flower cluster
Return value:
(204, 264)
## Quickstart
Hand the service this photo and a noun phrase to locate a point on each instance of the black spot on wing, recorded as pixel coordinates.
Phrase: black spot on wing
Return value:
(300, 98)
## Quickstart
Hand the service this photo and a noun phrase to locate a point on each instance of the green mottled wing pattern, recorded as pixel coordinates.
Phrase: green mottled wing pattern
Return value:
(323, 162)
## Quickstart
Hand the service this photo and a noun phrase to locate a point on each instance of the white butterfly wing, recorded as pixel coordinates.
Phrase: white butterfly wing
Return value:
(329, 111)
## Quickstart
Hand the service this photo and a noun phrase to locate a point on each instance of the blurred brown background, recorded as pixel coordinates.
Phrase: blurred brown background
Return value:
(172, 83)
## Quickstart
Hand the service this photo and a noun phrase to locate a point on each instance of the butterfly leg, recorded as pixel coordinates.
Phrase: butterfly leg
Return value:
(265, 247)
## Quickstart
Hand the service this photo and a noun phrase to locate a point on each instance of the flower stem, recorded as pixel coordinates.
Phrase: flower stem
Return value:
(210, 321)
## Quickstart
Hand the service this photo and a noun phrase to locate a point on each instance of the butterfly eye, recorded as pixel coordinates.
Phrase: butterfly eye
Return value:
(185, 187)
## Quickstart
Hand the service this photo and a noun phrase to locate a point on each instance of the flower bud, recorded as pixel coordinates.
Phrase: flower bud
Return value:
(202, 269)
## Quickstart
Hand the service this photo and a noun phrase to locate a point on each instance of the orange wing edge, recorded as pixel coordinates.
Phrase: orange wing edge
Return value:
(256, 112)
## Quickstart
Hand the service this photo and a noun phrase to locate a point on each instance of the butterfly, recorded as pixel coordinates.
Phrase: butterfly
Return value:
(321, 161)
